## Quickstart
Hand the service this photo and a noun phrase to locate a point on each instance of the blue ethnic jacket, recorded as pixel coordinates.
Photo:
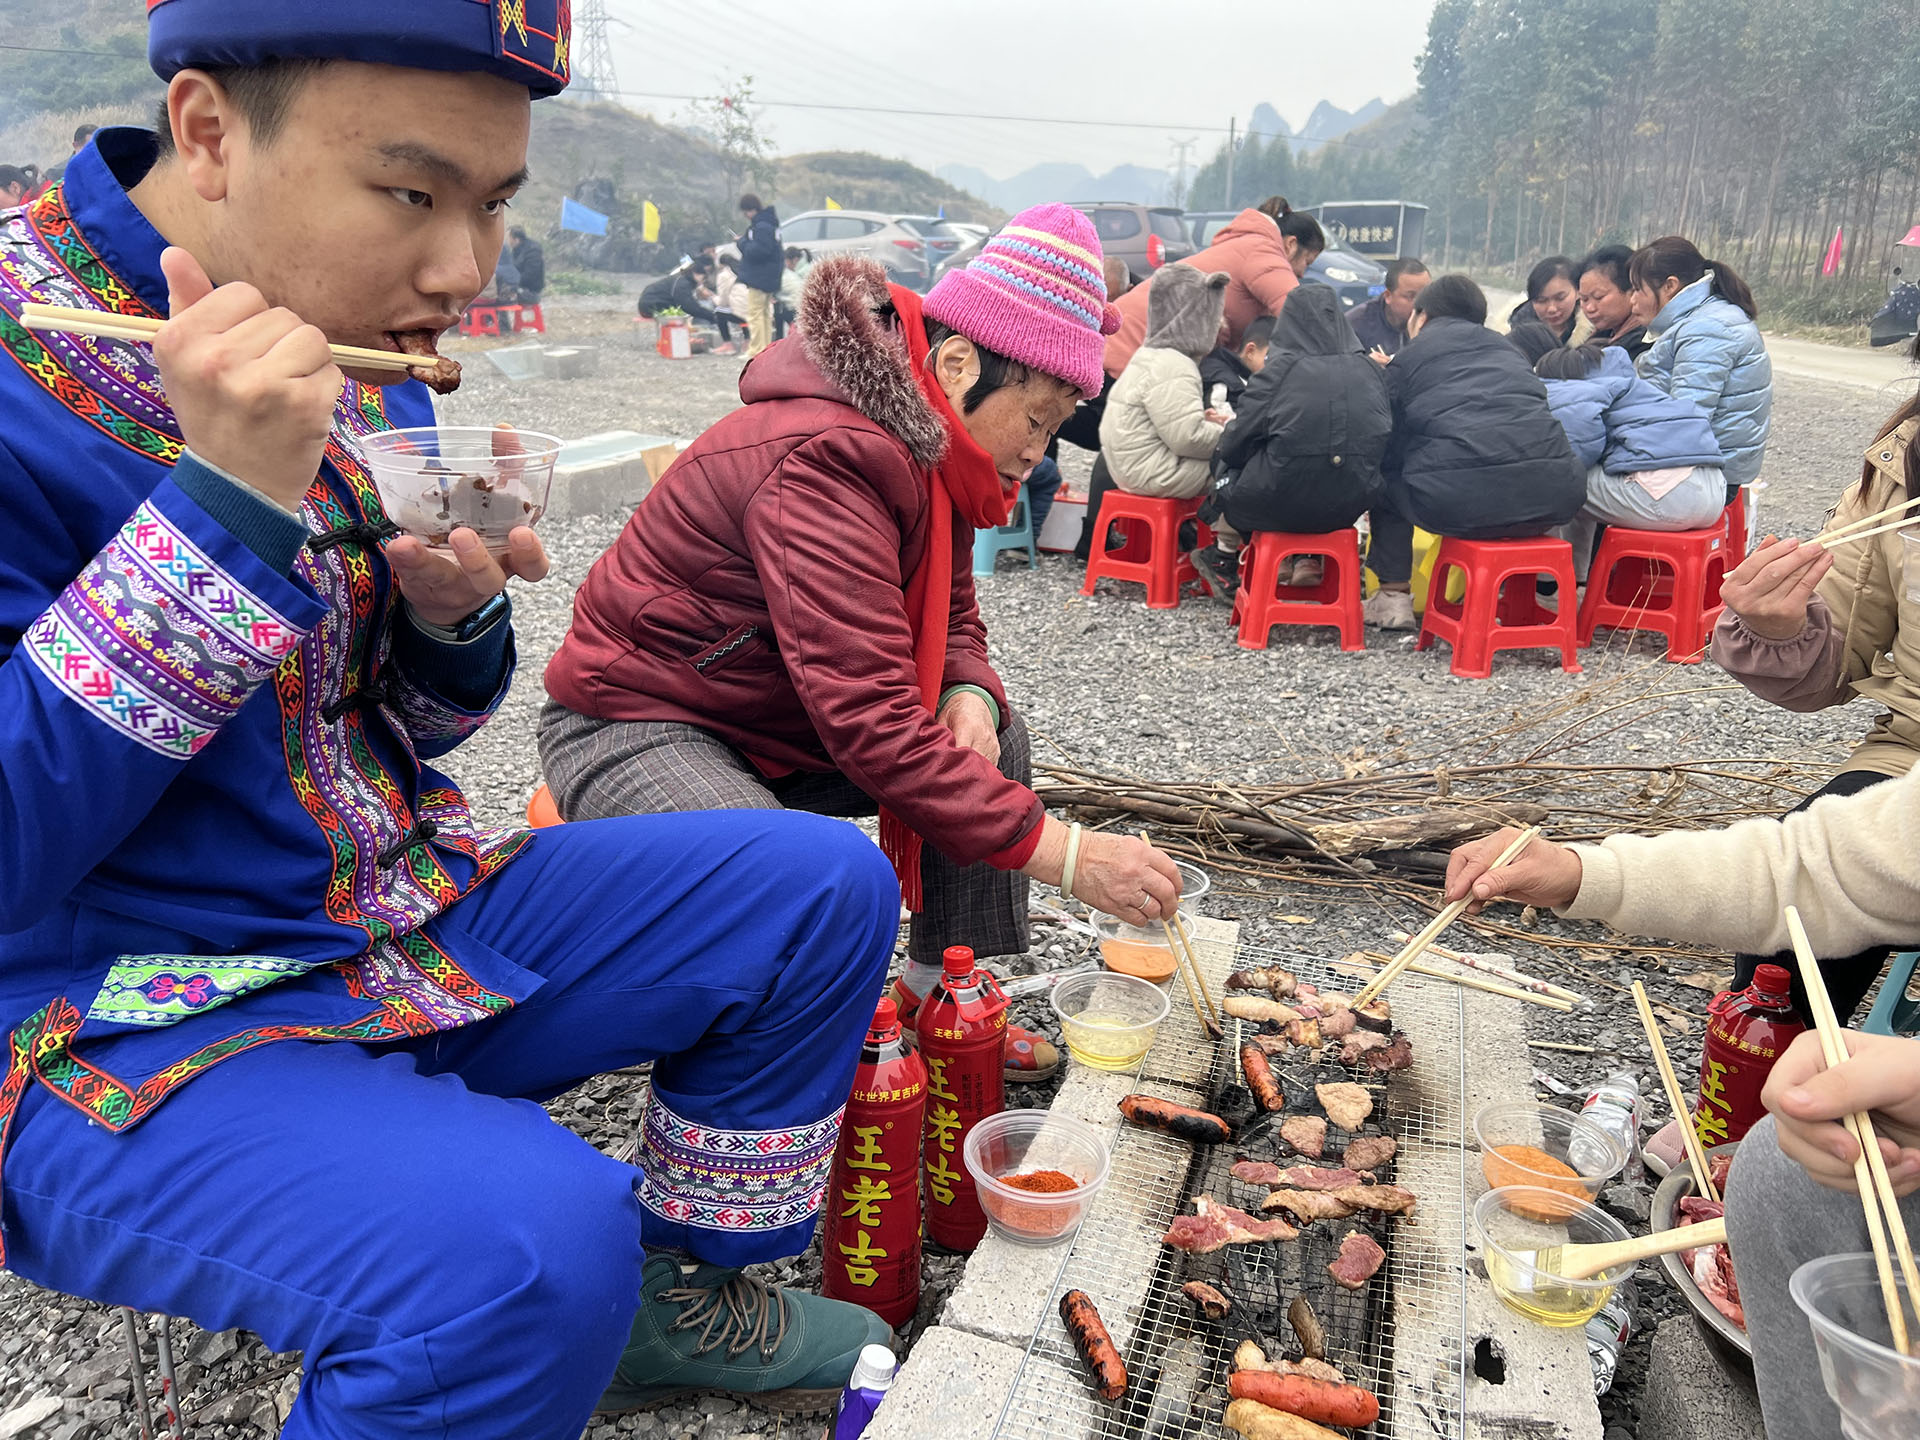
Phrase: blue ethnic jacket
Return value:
(218, 826)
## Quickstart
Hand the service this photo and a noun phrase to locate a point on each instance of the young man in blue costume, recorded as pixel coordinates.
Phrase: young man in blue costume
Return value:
(276, 1007)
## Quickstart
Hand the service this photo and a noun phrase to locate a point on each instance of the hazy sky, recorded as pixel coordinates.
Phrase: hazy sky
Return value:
(1134, 60)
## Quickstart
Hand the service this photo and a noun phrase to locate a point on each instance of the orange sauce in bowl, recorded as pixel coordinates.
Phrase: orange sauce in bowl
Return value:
(1130, 957)
(1530, 1165)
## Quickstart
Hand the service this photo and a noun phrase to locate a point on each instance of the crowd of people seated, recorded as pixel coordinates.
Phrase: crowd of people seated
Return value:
(1631, 388)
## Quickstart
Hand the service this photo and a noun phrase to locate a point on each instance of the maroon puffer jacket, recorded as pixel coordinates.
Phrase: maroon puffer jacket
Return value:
(759, 592)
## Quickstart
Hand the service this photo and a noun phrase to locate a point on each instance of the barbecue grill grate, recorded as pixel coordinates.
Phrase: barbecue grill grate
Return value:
(1403, 1337)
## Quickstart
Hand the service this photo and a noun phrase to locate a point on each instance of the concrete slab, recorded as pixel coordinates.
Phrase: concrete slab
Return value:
(952, 1387)
(605, 474)
(1691, 1394)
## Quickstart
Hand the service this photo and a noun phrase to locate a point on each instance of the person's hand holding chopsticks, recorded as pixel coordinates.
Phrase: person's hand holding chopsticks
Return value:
(1542, 874)
(1807, 1101)
(252, 385)
(1771, 588)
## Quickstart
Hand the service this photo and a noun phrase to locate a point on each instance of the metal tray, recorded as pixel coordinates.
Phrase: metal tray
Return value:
(1728, 1338)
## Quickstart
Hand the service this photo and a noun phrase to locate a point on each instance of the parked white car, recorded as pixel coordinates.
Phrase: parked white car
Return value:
(911, 247)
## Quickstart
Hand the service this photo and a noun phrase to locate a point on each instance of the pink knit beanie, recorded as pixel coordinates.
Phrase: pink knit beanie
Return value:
(1036, 293)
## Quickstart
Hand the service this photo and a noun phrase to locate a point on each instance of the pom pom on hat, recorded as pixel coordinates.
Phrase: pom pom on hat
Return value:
(1036, 293)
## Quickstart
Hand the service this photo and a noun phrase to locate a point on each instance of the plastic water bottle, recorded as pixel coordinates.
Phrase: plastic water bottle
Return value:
(872, 1378)
(1615, 1108)
(1607, 1335)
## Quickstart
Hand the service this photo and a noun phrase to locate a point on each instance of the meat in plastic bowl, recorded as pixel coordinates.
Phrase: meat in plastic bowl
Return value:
(434, 479)
(1020, 1143)
(1876, 1387)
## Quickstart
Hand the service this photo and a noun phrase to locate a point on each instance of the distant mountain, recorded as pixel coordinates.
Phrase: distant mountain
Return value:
(1061, 182)
(1329, 122)
(1267, 123)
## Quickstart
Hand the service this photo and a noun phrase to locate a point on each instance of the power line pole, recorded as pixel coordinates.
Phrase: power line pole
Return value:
(1180, 148)
(1227, 202)
(594, 77)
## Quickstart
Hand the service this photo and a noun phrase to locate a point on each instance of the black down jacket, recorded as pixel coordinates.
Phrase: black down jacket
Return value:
(1476, 450)
(1311, 430)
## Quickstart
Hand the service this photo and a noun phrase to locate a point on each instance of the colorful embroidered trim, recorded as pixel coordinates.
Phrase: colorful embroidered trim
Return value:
(714, 1179)
(156, 640)
(156, 990)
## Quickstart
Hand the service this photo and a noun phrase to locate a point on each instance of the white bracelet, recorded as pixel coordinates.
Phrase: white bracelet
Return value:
(1073, 855)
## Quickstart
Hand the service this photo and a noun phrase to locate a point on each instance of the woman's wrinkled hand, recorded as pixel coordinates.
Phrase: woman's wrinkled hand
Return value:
(1542, 874)
(970, 722)
(1126, 877)
(1771, 588)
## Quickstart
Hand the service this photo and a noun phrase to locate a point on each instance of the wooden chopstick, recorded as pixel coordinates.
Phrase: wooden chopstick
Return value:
(1193, 962)
(1446, 917)
(110, 326)
(1189, 967)
(1468, 982)
(1869, 1166)
(1865, 520)
(1676, 1098)
(1827, 542)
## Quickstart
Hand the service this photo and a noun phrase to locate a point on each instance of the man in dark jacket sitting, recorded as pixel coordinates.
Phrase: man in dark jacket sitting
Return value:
(531, 261)
(1381, 323)
(762, 262)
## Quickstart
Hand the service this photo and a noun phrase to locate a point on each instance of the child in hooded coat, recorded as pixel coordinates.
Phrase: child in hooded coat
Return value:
(1158, 435)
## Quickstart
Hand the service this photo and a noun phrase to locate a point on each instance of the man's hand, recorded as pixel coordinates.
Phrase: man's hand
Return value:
(443, 589)
(1379, 356)
(971, 722)
(1882, 1075)
(1542, 874)
(1770, 589)
(252, 386)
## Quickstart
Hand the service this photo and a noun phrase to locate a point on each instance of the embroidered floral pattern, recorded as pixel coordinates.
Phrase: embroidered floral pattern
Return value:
(735, 1180)
(154, 990)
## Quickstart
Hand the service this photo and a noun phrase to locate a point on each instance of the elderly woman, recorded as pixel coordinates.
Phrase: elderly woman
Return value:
(789, 619)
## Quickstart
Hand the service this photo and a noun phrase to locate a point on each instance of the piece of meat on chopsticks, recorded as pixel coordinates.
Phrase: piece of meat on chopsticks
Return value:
(1347, 1105)
(1387, 1199)
(1215, 1226)
(1299, 1177)
(1306, 1134)
(1374, 1015)
(1360, 1256)
(1370, 1152)
(1395, 1056)
(441, 375)
(1309, 1204)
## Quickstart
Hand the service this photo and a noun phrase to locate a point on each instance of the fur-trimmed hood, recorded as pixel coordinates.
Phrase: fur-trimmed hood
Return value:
(850, 349)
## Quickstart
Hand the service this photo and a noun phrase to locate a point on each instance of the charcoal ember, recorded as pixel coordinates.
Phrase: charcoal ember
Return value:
(1237, 1107)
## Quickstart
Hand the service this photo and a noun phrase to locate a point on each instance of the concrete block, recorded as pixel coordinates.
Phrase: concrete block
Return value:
(953, 1387)
(608, 473)
(1691, 1394)
(570, 362)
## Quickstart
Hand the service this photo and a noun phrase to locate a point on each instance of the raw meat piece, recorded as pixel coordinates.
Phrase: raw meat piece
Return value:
(1711, 1265)
(1347, 1105)
(1360, 1256)
(1308, 1204)
(1337, 1024)
(1382, 1058)
(1387, 1199)
(1359, 1043)
(1717, 1170)
(1216, 1225)
(1370, 1152)
(1307, 1134)
(1300, 1177)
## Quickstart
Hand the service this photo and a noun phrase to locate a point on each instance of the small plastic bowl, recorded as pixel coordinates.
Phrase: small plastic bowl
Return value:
(1109, 1021)
(1142, 950)
(1514, 1240)
(1588, 1156)
(1871, 1382)
(434, 479)
(1194, 883)
(1019, 1142)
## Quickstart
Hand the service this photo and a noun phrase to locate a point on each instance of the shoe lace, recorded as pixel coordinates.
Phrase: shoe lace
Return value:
(736, 1313)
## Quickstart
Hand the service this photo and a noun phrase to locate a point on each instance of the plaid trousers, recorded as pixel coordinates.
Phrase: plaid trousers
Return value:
(600, 768)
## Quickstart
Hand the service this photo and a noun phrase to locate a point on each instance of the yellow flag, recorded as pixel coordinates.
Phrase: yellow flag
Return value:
(650, 222)
(832, 204)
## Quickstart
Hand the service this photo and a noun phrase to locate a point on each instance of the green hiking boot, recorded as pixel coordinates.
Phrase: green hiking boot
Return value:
(711, 1329)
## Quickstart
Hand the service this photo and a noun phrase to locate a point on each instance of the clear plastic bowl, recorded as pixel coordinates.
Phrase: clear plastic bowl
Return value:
(1109, 1021)
(1506, 1127)
(1876, 1388)
(1019, 1142)
(1142, 950)
(1194, 883)
(1516, 1240)
(434, 479)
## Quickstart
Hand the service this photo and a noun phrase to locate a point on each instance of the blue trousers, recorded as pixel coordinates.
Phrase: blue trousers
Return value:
(452, 1261)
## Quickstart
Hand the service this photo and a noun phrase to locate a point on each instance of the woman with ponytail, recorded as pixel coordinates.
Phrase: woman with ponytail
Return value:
(1706, 348)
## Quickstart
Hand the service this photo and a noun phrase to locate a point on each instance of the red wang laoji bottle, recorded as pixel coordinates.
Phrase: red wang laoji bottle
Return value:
(1747, 1030)
(963, 1037)
(871, 1249)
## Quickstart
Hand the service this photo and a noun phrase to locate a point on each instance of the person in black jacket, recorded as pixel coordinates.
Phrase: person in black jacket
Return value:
(1232, 369)
(1476, 452)
(1306, 441)
(685, 289)
(531, 261)
(762, 261)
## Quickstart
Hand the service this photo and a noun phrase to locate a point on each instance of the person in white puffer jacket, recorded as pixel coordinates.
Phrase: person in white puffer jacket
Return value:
(1158, 435)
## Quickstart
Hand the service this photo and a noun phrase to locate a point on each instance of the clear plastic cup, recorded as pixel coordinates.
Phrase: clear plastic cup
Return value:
(1142, 950)
(1875, 1386)
(434, 479)
(1518, 1244)
(1524, 1143)
(1109, 1021)
(1023, 1142)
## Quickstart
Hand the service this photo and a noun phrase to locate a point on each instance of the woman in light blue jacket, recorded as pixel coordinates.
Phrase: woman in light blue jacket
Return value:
(1706, 348)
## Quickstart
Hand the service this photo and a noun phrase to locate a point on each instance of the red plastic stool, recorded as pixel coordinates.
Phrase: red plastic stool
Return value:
(541, 811)
(1493, 614)
(1667, 581)
(1262, 602)
(1733, 520)
(480, 320)
(1152, 555)
(528, 317)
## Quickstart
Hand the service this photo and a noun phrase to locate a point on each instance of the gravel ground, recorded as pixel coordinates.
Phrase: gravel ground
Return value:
(1106, 684)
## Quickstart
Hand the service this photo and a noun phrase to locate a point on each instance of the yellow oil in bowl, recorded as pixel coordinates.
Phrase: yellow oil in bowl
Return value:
(1562, 1304)
(1520, 1229)
(1107, 1041)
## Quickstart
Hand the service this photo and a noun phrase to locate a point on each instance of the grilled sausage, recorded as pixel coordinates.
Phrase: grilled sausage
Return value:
(1348, 1406)
(1107, 1369)
(1180, 1120)
(1266, 1089)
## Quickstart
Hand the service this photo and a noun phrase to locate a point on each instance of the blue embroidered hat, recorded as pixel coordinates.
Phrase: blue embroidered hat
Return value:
(523, 40)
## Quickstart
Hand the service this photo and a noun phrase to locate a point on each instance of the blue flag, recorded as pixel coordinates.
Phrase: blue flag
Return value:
(575, 216)
(943, 213)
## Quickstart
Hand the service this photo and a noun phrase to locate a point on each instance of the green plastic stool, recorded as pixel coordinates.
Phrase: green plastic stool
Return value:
(1893, 1013)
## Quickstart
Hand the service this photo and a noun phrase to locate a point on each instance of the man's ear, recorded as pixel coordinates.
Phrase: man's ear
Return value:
(205, 127)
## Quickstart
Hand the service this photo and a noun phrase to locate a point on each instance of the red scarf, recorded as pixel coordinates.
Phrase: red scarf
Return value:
(965, 484)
